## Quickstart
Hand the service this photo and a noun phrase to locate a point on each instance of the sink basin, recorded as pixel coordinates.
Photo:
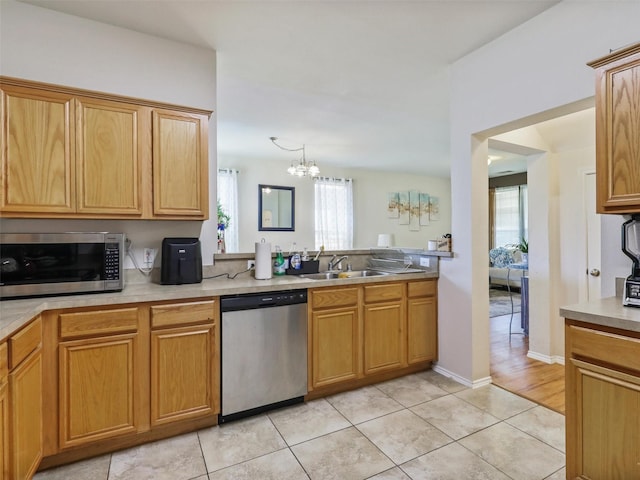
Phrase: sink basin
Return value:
(320, 276)
(364, 273)
(346, 274)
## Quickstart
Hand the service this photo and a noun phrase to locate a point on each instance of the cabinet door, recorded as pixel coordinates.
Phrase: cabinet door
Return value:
(180, 164)
(384, 337)
(4, 412)
(99, 382)
(336, 346)
(110, 148)
(617, 127)
(183, 382)
(422, 336)
(37, 154)
(25, 387)
(4, 430)
(607, 416)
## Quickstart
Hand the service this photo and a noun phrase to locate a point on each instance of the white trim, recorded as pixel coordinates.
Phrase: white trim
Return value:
(476, 384)
(546, 358)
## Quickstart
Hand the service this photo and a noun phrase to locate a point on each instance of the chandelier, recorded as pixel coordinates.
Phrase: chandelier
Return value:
(303, 168)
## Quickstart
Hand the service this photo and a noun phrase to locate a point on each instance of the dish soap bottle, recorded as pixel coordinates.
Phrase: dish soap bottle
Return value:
(278, 265)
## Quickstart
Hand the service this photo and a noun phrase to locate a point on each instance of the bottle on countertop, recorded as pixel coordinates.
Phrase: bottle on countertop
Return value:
(296, 262)
(305, 255)
(278, 264)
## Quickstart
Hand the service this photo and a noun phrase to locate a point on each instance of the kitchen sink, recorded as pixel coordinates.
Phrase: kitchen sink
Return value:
(346, 274)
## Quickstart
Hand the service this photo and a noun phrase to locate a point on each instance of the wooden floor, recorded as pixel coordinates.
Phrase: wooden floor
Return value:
(512, 370)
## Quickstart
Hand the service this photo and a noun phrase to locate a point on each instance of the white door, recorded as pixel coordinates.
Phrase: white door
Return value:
(591, 272)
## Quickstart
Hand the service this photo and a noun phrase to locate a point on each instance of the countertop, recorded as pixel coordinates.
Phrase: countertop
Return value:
(16, 313)
(607, 312)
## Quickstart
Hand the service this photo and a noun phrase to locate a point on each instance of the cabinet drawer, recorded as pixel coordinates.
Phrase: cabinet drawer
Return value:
(24, 342)
(384, 292)
(422, 288)
(101, 322)
(605, 347)
(4, 363)
(182, 313)
(334, 297)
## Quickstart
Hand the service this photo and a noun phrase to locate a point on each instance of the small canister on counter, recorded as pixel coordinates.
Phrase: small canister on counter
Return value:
(444, 244)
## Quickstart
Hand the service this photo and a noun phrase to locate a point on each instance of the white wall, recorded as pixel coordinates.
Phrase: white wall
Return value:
(542, 67)
(43, 45)
(370, 201)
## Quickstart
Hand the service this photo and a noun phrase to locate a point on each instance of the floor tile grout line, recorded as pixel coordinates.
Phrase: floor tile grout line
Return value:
(288, 446)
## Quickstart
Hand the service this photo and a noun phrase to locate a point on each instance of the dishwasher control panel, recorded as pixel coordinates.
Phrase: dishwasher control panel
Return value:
(249, 301)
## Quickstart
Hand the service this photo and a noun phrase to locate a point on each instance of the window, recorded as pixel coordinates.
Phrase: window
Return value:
(228, 199)
(509, 215)
(334, 213)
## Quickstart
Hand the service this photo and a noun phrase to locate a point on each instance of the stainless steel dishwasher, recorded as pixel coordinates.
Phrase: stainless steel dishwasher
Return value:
(264, 352)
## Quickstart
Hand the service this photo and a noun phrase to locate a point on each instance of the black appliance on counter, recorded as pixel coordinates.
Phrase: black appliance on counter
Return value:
(631, 248)
(181, 261)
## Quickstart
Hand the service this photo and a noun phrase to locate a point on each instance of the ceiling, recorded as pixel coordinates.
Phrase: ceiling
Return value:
(362, 84)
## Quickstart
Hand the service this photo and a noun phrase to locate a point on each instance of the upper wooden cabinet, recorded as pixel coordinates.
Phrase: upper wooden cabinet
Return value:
(38, 174)
(110, 154)
(180, 164)
(618, 131)
(78, 154)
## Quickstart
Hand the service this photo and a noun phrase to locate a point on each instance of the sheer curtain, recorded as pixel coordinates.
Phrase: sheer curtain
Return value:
(228, 199)
(509, 215)
(334, 213)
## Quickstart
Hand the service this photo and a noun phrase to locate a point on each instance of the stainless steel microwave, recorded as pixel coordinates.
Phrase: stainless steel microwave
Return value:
(39, 264)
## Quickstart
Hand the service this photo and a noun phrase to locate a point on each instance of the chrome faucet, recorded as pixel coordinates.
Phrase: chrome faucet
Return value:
(335, 264)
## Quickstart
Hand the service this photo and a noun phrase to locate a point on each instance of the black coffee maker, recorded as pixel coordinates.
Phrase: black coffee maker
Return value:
(631, 248)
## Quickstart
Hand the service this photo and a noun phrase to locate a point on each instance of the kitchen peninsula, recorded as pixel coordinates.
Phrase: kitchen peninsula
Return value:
(111, 370)
(602, 351)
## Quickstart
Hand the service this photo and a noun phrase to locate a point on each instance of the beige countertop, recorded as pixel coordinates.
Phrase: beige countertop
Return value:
(607, 312)
(16, 313)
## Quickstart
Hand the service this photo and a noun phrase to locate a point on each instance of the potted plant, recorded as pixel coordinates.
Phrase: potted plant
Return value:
(223, 223)
(524, 249)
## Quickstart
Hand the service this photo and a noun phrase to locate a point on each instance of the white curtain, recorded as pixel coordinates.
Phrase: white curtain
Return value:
(334, 213)
(510, 215)
(228, 199)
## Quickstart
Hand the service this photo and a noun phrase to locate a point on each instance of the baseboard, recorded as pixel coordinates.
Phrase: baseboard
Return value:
(464, 381)
(546, 358)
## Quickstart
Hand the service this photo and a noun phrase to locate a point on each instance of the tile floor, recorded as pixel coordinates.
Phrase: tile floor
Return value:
(421, 426)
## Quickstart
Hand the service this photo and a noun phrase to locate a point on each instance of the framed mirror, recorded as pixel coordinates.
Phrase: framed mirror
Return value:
(276, 208)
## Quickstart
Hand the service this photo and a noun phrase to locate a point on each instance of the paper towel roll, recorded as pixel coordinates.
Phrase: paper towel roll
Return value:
(263, 260)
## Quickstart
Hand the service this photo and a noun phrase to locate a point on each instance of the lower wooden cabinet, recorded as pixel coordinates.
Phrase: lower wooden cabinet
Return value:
(99, 375)
(25, 401)
(422, 321)
(602, 404)
(129, 374)
(98, 382)
(366, 333)
(384, 340)
(184, 378)
(335, 345)
(4, 430)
